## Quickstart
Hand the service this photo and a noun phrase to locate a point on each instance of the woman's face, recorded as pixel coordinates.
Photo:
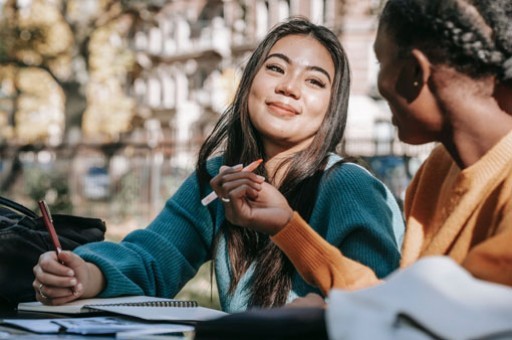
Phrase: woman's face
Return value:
(290, 93)
(416, 116)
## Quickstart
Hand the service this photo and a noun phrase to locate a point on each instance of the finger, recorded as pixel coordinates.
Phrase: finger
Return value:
(49, 263)
(224, 170)
(233, 176)
(229, 182)
(63, 300)
(228, 169)
(227, 187)
(49, 292)
(56, 301)
(71, 260)
(246, 193)
(49, 279)
(238, 210)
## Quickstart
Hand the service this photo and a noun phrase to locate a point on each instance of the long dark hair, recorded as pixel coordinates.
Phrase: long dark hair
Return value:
(473, 36)
(235, 137)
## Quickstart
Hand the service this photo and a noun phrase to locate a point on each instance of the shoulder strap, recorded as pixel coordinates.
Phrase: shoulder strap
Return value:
(18, 207)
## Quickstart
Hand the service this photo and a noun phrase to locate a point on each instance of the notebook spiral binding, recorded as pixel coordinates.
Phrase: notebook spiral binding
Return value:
(175, 303)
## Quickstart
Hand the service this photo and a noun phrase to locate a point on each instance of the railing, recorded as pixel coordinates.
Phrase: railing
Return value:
(127, 184)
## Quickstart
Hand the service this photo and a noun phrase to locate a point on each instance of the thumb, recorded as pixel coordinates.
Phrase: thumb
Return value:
(70, 259)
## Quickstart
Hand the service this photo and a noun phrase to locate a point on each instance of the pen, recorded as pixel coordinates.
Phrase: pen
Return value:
(48, 222)
(213, 195)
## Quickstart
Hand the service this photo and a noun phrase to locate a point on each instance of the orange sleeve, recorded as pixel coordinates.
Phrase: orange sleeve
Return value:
(320, 263)
(491, 260)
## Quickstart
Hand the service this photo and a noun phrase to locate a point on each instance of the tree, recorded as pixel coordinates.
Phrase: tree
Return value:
(81, 49)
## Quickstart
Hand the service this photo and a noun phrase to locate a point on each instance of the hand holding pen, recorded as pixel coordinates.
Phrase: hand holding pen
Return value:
(64, 276)
(48, 222)
(213, 195)
(251, 202)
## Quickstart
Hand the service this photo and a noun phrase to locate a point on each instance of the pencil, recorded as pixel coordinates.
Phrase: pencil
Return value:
(48, 222)
(213, 195)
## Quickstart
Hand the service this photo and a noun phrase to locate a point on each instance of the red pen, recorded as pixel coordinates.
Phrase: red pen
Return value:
(213, 195)
(48, 222)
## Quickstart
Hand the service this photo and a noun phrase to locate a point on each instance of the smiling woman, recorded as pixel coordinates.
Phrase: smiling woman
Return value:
(289, 110)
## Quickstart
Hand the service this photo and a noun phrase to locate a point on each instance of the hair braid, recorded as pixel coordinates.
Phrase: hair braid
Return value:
(498, 15)
(460, 33)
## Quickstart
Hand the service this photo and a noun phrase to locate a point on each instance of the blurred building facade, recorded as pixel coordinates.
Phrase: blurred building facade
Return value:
(141, 128)
(193, 52)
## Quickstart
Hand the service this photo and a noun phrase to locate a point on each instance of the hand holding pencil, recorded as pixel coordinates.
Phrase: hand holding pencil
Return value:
(213, 195)
(250, 201)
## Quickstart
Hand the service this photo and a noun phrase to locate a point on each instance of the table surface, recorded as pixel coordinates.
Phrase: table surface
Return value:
(8, 332)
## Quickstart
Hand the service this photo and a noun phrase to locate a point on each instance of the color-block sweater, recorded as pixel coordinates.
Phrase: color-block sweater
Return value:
(466, 215)
(354, 212)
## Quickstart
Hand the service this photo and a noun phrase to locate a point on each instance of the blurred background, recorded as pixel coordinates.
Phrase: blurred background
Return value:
(104, 103)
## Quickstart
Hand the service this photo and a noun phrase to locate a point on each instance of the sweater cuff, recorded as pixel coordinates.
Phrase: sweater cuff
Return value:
(307, 250)
(295, 235)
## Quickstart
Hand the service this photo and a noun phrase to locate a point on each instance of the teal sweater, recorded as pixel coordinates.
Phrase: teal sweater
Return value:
(353, 211)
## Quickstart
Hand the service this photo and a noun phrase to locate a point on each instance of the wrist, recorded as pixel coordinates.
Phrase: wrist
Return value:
(95, 281)
(286, 218)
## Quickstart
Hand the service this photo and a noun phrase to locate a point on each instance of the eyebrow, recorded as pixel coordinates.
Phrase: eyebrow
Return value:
(288, 61)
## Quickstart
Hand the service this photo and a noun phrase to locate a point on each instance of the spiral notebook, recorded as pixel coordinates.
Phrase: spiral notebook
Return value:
(142, 307)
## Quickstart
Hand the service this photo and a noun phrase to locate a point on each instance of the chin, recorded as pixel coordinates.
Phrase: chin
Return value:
(413, 140)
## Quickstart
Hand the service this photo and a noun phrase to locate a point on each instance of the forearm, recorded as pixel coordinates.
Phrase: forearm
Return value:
(320, 263)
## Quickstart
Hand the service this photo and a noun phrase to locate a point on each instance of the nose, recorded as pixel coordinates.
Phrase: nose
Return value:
(289, 86)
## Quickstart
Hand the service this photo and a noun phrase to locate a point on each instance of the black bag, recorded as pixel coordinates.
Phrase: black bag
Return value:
(23, 238)
(270, 324)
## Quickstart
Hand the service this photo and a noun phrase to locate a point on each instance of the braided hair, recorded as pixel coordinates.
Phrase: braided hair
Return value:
(473, 36)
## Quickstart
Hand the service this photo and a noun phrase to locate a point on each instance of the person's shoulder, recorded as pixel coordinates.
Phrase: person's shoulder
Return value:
(213, 164)
(350, 177)
(346, 170)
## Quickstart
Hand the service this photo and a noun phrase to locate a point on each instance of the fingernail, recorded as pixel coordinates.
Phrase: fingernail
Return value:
(238, 166)
(71, 273)
(261, 178)
(72, 282)
(78, 288)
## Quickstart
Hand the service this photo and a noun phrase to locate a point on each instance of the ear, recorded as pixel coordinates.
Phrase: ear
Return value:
(414, 73)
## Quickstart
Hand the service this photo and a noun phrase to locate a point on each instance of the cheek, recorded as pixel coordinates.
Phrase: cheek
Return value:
(318, 105)
(254, 99)
(384, 86)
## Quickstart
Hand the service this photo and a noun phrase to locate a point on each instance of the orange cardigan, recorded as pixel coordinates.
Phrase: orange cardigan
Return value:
(466, 215)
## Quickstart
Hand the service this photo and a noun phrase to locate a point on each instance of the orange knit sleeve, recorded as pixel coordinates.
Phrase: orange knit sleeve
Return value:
(321, 264)
(491, 260)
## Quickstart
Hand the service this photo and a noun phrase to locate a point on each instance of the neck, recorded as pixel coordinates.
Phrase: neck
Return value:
(277, 163)
(475, 131)
(474, 126)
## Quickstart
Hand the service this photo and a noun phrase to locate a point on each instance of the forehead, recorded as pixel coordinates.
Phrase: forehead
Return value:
(304, 50)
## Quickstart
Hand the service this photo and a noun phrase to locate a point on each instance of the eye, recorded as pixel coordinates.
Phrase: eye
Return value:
(317, 83)
(274, 68)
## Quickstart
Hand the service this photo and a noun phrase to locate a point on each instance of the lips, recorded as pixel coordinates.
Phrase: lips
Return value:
(282, 109)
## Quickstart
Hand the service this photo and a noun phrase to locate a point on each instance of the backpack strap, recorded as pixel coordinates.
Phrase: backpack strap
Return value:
(18, 207)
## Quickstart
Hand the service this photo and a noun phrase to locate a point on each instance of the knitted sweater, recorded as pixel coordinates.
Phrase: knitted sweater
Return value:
(354, 212)
(466, 215)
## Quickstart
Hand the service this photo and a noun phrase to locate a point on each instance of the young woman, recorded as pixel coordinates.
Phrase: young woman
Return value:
(289, 110)
(445, 70)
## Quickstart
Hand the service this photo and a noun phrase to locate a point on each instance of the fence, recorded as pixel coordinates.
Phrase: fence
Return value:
(134, 180)
(127, 184)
